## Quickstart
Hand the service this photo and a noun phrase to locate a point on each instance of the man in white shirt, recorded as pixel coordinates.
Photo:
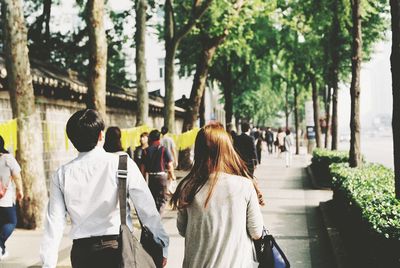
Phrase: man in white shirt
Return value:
(87, 189)
(169, 143)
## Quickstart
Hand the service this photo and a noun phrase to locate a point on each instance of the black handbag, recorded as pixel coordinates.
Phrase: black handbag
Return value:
(133, 255)
(154, 249)
(269, 254)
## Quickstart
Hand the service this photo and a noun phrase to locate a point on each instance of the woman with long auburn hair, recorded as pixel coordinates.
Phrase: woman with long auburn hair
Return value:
(219, 209)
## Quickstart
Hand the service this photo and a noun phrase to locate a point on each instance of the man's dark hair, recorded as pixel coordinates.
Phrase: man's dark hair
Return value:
(245, 127)
(154, 135)
(83, 129)
(164, 130)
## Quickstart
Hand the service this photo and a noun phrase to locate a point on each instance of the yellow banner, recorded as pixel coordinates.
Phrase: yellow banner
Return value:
(8, 130)
(130, 137)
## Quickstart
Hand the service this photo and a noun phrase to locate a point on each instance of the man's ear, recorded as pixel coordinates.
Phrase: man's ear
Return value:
(101, 135)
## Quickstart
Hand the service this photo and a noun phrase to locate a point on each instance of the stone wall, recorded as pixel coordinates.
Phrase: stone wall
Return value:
(57, 149)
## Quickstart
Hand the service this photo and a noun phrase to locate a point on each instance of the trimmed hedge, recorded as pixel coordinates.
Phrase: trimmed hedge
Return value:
(322, 159)
(370, 189)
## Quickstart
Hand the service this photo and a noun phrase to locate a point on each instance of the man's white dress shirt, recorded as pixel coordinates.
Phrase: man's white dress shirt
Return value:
(87, 189)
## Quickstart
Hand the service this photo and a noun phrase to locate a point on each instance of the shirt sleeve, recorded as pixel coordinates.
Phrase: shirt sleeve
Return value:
(143, 201)
(181, 221)
(167, 155)
(54, 224)
(13, 165)
(255, 222)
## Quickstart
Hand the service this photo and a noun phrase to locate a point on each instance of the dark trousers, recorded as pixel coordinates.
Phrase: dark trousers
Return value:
(259, 155)
(8, 221)
(269, 145)
(158, 185)
(96, 252)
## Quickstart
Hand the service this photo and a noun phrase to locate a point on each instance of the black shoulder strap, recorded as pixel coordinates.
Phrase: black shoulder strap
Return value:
(122, 175)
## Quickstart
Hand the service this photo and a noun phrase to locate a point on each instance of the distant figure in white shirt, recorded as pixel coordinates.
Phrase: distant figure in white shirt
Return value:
(288, 148)
(169, 143)
(87, 189)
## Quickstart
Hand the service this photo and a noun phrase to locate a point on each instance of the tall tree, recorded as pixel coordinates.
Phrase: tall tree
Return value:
(97, 56)
(314, 87)
(335, 65)
(296, 118)
(395, 64)
(328, 116)
(140, 60)
(41, 46)
(30, 147)
(174, 34)
(355, 147)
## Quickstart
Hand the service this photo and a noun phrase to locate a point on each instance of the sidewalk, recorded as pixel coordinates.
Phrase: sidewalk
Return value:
(291, 214)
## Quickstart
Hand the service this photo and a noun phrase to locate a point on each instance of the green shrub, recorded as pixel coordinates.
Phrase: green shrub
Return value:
(320, 162)
(371, 190)
(328, 157)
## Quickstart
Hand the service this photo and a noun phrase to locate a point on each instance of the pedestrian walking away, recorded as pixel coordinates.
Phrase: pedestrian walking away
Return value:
(219, 212)
(269, 137)
(169, 143)
(10, 192)
(159, 166)
(86, 189)
(280, 141)
(140, 151)
(288, 148)
(245, 146)
(259, 142)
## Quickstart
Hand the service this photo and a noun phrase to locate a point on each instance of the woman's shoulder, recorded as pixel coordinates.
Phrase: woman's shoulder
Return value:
(237, 179)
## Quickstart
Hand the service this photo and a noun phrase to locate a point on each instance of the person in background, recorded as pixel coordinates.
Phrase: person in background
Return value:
(269, 137)
(288, 148)
(258, 141)
(280, 139)
(11, 191)
(169, 143)
(87, 190)
(112, 142)
(218, 208)
(231, 131)
(245, 146)
(140, 151)
(158, 164)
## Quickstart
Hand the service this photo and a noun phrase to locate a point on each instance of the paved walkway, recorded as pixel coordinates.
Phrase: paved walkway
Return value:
(291, 214)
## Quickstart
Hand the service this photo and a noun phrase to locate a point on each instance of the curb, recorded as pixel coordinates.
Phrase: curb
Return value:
(314, 181)
(340, 256)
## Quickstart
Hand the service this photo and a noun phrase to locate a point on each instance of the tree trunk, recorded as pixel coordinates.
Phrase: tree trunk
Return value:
(355, 150)
(227, 85)
(30, 147)
(140, 61)
(46, 17)
(287, 113)
(97, 57)
(328, 117)
(199, 81)
(335, 72)
(395, 64)
(202, 111)
(316, 111)
(296, 120)
(170, 50)
(172, 41)
(334, 144)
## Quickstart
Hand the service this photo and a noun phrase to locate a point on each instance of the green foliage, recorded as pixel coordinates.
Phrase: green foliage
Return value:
(70, 50)
(371, 189)
(327, 156)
